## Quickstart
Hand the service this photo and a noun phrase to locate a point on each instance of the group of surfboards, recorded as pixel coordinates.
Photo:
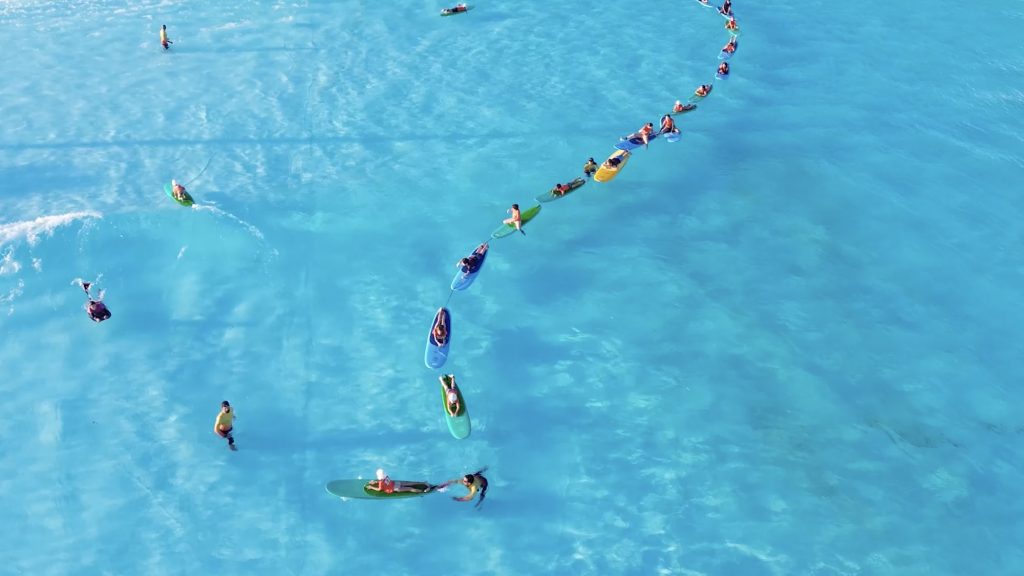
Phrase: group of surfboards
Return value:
(438, 341)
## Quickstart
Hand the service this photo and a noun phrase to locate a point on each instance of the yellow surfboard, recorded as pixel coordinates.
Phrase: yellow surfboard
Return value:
(605, 174)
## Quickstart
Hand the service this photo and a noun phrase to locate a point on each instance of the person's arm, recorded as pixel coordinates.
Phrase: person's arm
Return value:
(467, 497)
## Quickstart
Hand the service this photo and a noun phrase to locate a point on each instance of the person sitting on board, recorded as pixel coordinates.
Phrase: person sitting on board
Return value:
(646, 132)
(455, 10)
(702, 90)
(667, 125)
(177, 190)
(723, 69)
(726, 8)
(516, 219)
(731, 24)
(96, 309)
(388, 486)
(560, 189)
(474, 482)
(731, 46)
(224, 423)
(589, 168)
(471, 263)
(451, 395)
(440, 331)
(163, 37)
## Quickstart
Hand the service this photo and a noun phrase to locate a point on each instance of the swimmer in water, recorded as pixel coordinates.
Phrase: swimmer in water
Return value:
(95, 307)
(589, 168)
(163, 37)
(475, 482)
(224, 423)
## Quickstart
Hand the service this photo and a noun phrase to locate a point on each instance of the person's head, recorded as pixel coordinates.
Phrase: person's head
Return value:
(592, 159)
(380, 474)
(163, 26)
(467, 479)
(464, 262)
(515, 206)
(225, 406)
(650, 124)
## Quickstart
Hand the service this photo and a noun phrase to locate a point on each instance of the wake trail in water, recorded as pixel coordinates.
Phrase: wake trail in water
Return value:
(251, 228)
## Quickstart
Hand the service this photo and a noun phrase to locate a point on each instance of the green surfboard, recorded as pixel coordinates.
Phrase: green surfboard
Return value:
(186, 201)
(506, 229)
(358, 489)
(458, 425)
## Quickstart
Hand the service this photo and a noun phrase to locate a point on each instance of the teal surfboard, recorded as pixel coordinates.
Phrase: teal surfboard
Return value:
(186, 201)
(358, 489)
(459, 424)
(506, 229)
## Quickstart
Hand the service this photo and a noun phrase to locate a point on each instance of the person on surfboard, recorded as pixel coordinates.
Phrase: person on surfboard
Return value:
(471, 263)
(678, 107)
(451, 395)
(731, 24)
(668, 125)
(388, 486)
(454, 10)
(702, 90)
(516, 219)
(163, 37)
(177, 190)
(646, 132)
(589, 168)
(612, 162)
(730, 47)
(726, 8)
(440, 331)
(224, 423)
(475, 482)
(96, 309)
(723, 69)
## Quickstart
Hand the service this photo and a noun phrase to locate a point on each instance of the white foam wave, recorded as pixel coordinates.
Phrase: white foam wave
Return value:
(8, 265)
(251, 228)
(31, 230)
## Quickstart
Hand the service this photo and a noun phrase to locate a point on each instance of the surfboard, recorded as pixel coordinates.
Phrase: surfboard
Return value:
(462, 279)
(357, 488)
(436, 355)
(187, 201)
(672, 136)
(633, 141)
(605, 174)
(506, 229)
(459, 424)
(721, 76)
(550, 196)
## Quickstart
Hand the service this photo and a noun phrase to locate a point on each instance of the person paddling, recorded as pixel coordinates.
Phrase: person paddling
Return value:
(385, 484)
(451, 395)
(440, 331)
(178, 191)
(224, 423)
(471, 263)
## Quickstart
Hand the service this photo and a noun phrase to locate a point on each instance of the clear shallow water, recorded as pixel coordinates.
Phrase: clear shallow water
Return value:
(785, 345)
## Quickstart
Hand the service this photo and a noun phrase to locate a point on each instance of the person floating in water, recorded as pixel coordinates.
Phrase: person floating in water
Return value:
(454, 10)
(440, 331)
(451, 395)
(178, 191)
(516, 219)
(723, 69)
(95, 307)
(475, 482)
(702, 90)
(471, 263)
(163, 37)
(224, 423)
(589, 168)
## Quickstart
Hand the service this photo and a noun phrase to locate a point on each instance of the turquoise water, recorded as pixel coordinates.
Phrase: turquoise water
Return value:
(786, 344)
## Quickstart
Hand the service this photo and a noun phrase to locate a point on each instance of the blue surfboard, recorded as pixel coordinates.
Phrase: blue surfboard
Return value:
(634, 141)
(672, 136)
(437, 354)
(462, 279)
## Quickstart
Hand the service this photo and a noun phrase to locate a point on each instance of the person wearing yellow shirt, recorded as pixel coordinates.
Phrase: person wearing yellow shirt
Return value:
(163, 37)
(224, 423)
